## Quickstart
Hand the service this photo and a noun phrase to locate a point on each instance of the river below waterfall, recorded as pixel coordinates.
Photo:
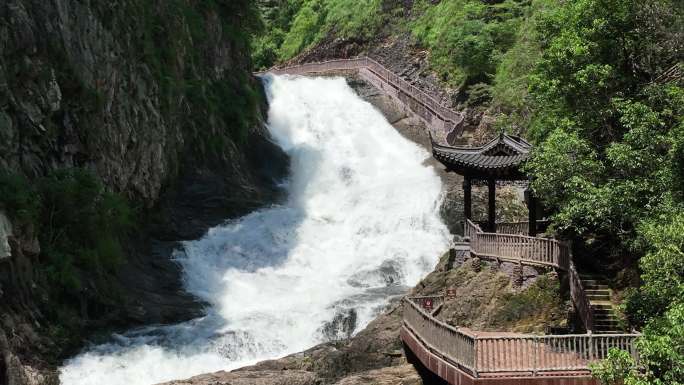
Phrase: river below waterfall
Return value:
(360, 226)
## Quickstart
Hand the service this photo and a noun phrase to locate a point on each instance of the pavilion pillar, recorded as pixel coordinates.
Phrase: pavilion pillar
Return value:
(532, 212)
(467, 198)
(492, 204)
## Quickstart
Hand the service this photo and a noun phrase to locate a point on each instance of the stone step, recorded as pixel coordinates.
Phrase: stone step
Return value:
(597, 291)
(607, 329)
(587, 286)
(603, 312)
(607, 323)
(589, 277)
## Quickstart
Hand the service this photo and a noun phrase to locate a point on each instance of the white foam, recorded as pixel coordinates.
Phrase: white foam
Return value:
(362, 217)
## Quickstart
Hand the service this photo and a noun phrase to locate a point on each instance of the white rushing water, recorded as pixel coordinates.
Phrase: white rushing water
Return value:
(360, 225)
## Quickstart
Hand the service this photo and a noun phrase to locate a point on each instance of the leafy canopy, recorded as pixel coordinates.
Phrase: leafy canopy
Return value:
(608, 160)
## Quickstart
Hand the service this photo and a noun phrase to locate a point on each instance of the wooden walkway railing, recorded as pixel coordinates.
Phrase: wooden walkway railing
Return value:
(534, 251)
(438, 117)
(521, 227)
(580, 298)
(508, 354)
(517, 248)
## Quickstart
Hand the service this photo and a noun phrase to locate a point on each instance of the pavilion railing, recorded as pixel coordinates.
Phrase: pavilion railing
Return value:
(425, 106)
(520, 227)
(534, 251)
(513, 354)
(471, 229)
(518, 248)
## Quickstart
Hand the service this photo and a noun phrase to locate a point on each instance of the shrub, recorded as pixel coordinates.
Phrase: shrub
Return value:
(18, 197)
(466, 38)
(81, 228)
(298, 24)
(539, 301)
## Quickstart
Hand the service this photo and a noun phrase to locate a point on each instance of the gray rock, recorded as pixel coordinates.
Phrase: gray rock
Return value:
(266, 377)
(5, 233)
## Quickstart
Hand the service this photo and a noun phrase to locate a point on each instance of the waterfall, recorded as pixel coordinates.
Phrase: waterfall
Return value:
(361, 224)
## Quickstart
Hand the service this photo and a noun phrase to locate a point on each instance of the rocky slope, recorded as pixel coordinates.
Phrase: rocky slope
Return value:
(156, 99)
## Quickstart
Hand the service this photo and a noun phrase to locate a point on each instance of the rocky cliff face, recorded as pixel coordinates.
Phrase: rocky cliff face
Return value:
(156, 99)
(103, 86)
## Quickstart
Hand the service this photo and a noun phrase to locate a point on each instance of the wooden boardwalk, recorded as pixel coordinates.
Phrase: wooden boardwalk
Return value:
(534, 251)
(461, 356)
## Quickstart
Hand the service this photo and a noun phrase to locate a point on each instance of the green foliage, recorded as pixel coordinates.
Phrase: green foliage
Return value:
(608, 159)
(661, 355)
(542, 300)
(306, 28)
(18, 198)
(512, 77)
(466, 38)
(614, 369)
(175, 35)
(605, 156)
(81, 228)
(659, 304)
(295, 25)
(662, 267)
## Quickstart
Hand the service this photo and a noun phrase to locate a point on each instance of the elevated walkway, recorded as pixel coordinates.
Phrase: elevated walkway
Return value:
(462, 356)
(441, 120)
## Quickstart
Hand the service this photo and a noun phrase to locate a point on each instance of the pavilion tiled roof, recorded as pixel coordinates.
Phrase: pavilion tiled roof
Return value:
(499, 157)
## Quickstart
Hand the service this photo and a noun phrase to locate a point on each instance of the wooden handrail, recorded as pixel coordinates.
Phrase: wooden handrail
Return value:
(432, 112)
(456, 347)
(535, 354)
(579, 297)
(534, 251)
(513, 354)
(517, 248)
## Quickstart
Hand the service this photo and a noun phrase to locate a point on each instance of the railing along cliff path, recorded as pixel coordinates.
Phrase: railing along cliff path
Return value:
(438, 117)
(509, 354)
(517, 248)
(535, 251)
(461, 356)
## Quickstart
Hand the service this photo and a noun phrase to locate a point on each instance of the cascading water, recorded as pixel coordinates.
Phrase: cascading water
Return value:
(360, 225)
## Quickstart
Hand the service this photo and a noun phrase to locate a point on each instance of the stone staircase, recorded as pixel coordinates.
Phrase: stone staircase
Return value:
(598, 291)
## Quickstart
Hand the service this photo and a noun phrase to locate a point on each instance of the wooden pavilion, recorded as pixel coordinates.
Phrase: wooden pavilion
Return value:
(498, 160)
